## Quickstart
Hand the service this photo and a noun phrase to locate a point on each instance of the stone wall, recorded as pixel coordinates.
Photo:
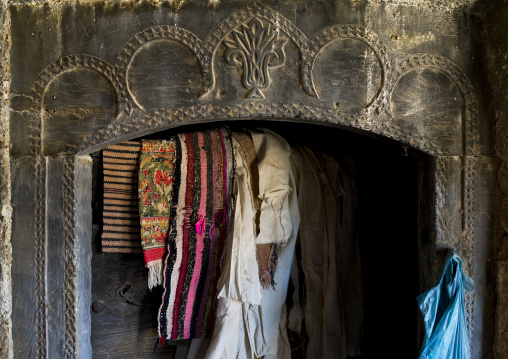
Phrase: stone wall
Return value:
(5, 187)
(496, 66)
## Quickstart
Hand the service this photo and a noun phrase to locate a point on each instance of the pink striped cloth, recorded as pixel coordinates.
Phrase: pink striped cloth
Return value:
(197, 233)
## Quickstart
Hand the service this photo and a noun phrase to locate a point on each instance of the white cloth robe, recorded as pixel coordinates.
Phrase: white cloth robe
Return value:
(266, 324)
(262, 331)
(239, 281)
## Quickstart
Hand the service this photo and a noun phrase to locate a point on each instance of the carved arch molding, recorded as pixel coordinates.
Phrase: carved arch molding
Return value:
(255, 40)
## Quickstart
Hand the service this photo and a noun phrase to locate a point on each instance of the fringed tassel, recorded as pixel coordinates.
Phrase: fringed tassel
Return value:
(155, 274)
(273, 260)
(200, 225)
(267, 273)
(266, 280)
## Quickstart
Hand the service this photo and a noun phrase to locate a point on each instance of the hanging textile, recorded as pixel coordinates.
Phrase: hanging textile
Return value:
(279, 224)
(266, 253)
(156, 180)
(239, 282)
(195, 178)
(120, 229)
(320, 311)
(248, 314)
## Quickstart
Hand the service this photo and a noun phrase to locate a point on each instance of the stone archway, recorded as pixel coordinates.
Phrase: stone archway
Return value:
(370, 88)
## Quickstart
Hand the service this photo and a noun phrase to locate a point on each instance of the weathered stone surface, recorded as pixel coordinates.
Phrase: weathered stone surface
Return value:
(75, 103)
(347, 75)
(163, 73)
(501, 327)
(496, 60)
(6, 347)
(429, 102)
(476, 249)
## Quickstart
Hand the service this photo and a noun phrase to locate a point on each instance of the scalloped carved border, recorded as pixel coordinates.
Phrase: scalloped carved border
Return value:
(469, 200)
(469, 217)
(470, 103)
(137, 42)
(54, 69)
(442, 212)
(365, 119)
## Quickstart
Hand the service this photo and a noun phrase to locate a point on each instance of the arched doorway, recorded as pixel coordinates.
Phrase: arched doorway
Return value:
(84, 94)
(390, 230)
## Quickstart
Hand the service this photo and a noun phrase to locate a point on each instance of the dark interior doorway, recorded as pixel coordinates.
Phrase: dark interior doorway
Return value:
(124, 311)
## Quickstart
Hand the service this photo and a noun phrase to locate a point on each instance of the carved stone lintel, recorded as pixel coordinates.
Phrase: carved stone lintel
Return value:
(143, 124)
(255, 37)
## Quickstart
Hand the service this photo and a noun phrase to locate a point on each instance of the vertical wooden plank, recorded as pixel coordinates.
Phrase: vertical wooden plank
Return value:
(448, 181)
(69, 254)
(83, 215)
(478, 250)
(24, 294)
(56, 256)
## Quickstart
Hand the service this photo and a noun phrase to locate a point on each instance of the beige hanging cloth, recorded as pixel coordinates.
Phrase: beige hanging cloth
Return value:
(239, 281)
(249, 318)
(279, 223)
(318, 197)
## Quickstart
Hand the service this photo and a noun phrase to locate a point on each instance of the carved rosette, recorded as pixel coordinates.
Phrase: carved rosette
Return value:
(255, 47)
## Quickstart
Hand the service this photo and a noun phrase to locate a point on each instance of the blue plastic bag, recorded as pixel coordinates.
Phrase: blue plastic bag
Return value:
(443, 312)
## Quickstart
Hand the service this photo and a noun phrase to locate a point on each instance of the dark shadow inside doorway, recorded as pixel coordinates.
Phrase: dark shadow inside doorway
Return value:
(124, 311)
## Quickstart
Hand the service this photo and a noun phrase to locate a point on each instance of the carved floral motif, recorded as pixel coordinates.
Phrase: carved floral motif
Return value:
(256, 48)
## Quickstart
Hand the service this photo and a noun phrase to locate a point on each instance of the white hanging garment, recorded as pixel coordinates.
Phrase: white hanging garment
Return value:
(228, 330)
(239, 281)
(279, 223)
(273, 162)
(259, 334)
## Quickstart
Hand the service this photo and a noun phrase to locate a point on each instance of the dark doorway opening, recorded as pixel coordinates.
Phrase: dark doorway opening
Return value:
(124, 311)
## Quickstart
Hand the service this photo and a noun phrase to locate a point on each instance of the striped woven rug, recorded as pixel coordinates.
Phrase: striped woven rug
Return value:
(121, 230)
(201, 195)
